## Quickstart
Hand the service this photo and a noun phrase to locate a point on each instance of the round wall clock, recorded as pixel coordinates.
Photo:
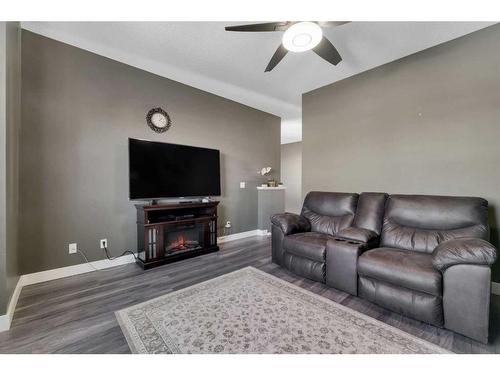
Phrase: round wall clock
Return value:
(158, 120)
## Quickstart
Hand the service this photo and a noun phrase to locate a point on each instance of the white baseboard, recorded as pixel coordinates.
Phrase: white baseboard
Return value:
(6, 319)
(59, 273)
(495, 288)
(4, 323)
(239, 236)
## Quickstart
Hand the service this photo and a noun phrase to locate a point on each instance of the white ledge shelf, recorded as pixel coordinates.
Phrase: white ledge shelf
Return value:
(271, 188)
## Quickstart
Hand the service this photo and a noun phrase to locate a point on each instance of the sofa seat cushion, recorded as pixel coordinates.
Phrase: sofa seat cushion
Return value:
(310, 245)
(408, 269)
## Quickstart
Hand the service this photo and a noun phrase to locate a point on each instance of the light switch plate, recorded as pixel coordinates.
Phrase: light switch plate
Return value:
(72, 249)
(242, 185)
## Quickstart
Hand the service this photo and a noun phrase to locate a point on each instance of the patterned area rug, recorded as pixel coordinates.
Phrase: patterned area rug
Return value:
(250, 311)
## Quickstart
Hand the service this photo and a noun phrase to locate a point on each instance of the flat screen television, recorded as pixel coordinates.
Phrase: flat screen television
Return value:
(166, 170)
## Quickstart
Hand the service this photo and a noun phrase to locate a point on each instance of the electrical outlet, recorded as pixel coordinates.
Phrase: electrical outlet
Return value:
(72, 249)
(104, 243)
(242, 185)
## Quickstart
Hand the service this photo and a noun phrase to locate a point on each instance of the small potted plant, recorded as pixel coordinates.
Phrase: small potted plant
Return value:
(266, 171)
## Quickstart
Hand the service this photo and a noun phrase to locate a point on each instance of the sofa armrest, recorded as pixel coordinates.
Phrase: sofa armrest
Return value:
(463, 251)
(291, 223)
(357, 234)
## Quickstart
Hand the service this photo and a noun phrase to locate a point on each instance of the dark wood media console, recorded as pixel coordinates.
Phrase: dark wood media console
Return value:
(170, 232)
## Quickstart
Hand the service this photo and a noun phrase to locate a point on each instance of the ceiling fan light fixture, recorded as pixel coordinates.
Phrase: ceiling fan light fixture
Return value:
(302, 36)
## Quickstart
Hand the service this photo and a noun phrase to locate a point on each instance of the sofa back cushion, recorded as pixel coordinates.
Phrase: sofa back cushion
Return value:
(329, 212)
(370, 211)
(421, 222)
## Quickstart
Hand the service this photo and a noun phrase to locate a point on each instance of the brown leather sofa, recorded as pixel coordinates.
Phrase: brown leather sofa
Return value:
(427, 257)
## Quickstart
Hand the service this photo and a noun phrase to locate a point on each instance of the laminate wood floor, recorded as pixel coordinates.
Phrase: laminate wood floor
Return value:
(76, 314)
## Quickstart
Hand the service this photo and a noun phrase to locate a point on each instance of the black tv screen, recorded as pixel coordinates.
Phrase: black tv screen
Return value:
(166, 170)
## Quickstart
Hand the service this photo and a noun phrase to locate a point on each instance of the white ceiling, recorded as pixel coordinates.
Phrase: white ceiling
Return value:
(229, 64)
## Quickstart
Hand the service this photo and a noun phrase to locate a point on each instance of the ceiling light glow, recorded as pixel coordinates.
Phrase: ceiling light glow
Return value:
(302, 36)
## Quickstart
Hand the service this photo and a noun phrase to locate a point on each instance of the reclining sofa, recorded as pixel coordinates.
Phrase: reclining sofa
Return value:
(426, 257)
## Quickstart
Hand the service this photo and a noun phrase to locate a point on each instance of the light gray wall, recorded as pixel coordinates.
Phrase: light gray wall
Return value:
(428, 123)
(10, 102)
(291, 175)
(78, 109)
(270, 202)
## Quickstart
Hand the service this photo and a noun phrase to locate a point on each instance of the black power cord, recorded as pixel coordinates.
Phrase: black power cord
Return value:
(84, 256)
(86, 259)
(118, 256)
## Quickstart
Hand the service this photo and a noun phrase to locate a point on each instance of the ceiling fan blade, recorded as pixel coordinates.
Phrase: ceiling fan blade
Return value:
(327, 51)
(277, 57)
(331, 23)
(269, 26)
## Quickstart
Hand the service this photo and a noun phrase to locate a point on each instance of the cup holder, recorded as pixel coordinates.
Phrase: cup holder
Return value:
(347, 241)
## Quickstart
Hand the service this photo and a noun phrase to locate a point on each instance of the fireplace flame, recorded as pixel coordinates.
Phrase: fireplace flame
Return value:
(180, 243)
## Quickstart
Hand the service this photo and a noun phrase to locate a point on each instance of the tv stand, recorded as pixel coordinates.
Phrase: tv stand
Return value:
(174, 231)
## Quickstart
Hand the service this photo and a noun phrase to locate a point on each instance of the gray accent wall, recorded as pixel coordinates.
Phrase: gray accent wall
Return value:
(10, 121)
(428, 123)
(291, 175)
(78, 110)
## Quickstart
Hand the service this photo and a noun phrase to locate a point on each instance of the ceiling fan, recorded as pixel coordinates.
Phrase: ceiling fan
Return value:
(297, 37)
